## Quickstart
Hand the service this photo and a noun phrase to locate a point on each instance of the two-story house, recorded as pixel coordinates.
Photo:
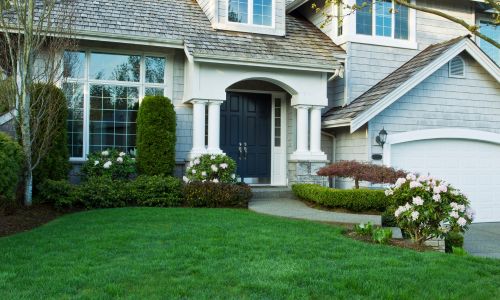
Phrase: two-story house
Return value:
(264, 82)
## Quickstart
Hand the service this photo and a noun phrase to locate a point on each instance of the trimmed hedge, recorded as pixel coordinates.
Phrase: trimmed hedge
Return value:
(156, 125)
(156, 191)
(356, 200)
(55, 164)
(11, 164)
(209, 194)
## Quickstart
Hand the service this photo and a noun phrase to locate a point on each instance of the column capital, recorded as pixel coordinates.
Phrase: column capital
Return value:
(199, 101)
(215, 102)
(302, 106)
(317, 107)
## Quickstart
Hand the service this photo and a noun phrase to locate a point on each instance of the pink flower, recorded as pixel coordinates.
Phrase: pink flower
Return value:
(462, 222)
(454, 214)
(415, 184)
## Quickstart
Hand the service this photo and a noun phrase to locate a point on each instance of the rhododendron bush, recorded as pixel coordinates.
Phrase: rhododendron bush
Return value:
(427, 208)
(211, 168)
(111, 162)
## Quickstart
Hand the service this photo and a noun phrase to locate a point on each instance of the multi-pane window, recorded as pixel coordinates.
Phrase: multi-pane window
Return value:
(277, 122)
(385, 16)
(103, 99)
(492, 31)
(255, 12)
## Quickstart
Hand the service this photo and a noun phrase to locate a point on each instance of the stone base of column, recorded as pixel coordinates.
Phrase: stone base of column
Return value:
(305, 172)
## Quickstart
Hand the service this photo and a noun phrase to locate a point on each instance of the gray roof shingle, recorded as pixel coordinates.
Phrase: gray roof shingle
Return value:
(184, 20)
(391, 82)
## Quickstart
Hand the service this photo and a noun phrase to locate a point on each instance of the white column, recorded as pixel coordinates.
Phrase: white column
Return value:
(214, 127)
(315, 134)
(302, 151)
(198, 128)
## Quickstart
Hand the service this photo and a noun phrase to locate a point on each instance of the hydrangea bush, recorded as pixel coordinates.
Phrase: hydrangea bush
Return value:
(427, 208)
(211, 168)
(113, 163)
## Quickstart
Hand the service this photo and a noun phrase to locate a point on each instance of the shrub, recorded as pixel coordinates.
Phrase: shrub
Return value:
(155, 191)
(59, 193)
(453, 239)
(382, 235)
(426, 207)
(459, 251)
(364, 229)
(54, 164)
(156, 125)
(7, 94)
(360, 171)
(112, 163)
(102, 192)
(214, 168)
(354, 200)
(209, 194)
(388, 218)
(11, 164)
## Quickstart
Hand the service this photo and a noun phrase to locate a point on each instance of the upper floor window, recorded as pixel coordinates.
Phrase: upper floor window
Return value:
(490, 30)
(382, 18)
(255, 12)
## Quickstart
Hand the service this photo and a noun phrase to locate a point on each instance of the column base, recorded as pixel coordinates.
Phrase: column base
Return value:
(306, 172)
(308, 156)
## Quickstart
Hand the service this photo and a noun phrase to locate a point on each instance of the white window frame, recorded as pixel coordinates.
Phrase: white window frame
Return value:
(250, 16)
(167, 85)
(373, 39)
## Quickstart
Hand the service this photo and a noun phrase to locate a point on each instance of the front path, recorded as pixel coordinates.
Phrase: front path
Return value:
(291, 208)
(483, 239)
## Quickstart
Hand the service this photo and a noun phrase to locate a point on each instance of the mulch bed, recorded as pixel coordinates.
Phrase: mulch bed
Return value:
(19, 219)
(393, 242)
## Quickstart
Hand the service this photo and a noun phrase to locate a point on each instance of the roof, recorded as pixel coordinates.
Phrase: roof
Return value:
(183, 21)
(399, 82)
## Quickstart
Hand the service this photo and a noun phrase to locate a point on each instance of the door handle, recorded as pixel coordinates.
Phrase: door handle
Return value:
(246, 150)
(240, 151)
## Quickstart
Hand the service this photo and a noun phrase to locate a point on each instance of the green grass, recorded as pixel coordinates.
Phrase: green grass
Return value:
(150, 253)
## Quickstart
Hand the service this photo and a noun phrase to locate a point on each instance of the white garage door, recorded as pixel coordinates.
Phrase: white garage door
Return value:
(471, 166)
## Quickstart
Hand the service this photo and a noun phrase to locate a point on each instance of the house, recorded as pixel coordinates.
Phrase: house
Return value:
(264, 82)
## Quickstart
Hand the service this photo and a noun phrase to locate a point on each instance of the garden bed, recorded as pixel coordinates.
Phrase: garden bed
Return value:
(401, 243)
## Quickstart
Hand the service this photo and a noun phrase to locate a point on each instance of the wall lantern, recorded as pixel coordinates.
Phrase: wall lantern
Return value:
(381, 138)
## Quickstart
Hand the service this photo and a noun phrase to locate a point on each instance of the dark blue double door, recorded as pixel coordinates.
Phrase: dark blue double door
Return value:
(246, 134)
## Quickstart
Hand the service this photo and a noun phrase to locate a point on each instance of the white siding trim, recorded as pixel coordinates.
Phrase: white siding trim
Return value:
(7, 116)
(442, 133)
(464, 45)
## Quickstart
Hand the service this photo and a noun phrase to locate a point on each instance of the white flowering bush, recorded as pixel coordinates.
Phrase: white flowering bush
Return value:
(211, 168)
(426, 207)
(113, 163)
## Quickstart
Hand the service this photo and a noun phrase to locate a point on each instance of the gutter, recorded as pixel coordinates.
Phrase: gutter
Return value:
(336, 123)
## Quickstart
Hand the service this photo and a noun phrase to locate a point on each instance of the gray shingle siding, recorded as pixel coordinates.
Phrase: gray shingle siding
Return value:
(350, 147)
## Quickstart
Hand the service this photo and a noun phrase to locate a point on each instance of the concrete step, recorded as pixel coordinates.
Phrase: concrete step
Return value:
(272, 193)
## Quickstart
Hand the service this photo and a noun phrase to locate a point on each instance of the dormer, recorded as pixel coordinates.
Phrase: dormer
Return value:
(254, 16)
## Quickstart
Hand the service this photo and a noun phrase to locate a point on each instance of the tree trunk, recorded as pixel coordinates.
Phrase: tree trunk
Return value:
(356, 184)
(26, 143)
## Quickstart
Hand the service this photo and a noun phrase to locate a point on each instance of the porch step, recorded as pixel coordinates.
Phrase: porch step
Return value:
(272, 193)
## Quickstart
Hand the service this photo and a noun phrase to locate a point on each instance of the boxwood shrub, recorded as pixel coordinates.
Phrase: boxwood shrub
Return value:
(356, 200)
(11, 164)
(157, 191)
(209, 194)
(156, 137)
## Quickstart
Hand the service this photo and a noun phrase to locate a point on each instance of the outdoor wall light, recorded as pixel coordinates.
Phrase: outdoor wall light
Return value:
(382, 137)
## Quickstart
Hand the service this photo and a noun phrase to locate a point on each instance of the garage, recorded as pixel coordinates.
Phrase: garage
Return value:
(471, 165)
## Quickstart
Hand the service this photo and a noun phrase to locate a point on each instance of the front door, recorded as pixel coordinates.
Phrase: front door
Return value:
(246, 135)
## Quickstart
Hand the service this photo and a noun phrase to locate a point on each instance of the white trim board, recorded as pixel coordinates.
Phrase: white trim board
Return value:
(464, 45)
(441, 133)
(7, 117)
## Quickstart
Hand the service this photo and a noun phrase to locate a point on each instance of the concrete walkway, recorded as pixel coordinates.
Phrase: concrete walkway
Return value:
(291, 208)
(483, 239)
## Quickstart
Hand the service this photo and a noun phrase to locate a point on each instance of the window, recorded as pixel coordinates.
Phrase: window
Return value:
(491, 31)
(103, 98)
(389, 19)
(256, 12)
(277, 122)
(457, 67)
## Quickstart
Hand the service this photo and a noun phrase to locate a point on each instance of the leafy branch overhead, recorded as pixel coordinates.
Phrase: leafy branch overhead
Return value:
(349, 9)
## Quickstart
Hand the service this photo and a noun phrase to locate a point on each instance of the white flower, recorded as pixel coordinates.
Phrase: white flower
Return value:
(437, 197)
(215, 180)
(186, 180)
(444, 229)
(422, 178)
(408, 206)
(399, 211)
(107, 165)
(196, 162)
(233, 176)
(96, 163)
(461, 208)
(454, 214)
(212, 157)
(415, 184)
(399, 182)
(462, 222)
(411, 176)
(204, 180)
(122, 154)
(389, 192)
(105, 153)
(455, 193)
(436, 190)
(214, 168)
(415, 215)
(193, 171)
(119, 160)
(223, 166)
(470, 213)
(204, 174)
(418, 201)
(443, 187)
(454, 205)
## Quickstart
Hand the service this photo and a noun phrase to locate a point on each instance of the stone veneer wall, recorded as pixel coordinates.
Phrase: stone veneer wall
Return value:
(305, 172)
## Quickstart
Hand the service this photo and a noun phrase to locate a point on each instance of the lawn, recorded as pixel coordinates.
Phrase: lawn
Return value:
(152, 253)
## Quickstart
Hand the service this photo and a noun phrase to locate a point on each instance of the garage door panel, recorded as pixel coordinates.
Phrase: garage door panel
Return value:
(471, 166)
